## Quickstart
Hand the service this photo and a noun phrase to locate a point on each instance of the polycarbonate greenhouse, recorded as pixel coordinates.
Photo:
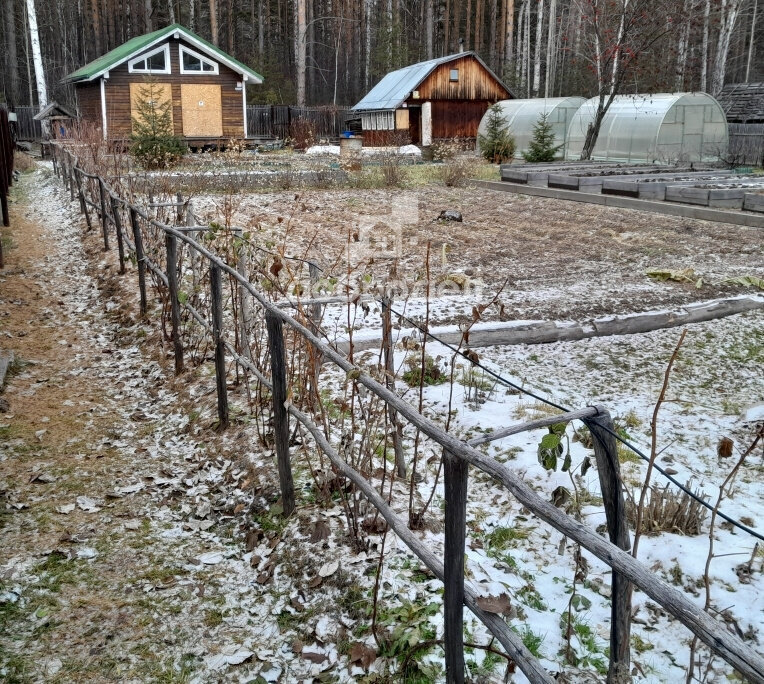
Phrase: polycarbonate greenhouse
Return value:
(522, 115)
(663, 128)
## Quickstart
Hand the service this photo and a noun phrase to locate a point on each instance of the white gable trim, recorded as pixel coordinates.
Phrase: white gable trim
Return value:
(249, 76)
(182, 49)
(145, 55)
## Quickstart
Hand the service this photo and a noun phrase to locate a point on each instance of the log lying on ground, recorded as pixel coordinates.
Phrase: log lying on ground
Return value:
(544, 332)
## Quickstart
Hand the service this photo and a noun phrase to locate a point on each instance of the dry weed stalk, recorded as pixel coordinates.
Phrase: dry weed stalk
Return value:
(668, 511)
(654, 444)
(723, 490)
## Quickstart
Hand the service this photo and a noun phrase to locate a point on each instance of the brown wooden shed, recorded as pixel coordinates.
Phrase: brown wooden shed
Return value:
(207, 87)
(442, 98)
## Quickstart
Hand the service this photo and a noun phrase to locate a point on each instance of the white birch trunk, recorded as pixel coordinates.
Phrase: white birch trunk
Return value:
(619, 46)
(367, 70)
(39, 73)
(301, 51)
(520, 43)
(551, 49)
(171, 10)
(681, 48)
(192, 15)
(728, 19)
(704, 48)
(537, 48)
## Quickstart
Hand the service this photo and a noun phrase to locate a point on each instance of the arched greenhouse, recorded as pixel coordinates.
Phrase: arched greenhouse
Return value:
(522, 115)
(654, 129)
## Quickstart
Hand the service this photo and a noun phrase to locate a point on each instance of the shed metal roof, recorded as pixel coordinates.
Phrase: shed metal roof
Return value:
(136, 45)
(395, 88)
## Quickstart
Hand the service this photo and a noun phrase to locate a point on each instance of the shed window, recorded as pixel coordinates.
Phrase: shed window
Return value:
(192, 62)
(154, 62)
(378, 121)
(454, 75)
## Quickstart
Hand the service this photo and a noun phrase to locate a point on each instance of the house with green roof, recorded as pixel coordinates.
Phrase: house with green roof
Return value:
(206, 86)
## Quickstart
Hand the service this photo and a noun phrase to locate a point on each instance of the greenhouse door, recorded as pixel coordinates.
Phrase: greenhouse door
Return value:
(202, 111)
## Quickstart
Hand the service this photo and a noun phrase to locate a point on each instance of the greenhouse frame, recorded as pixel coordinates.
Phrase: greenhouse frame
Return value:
(664, 128)
(522, 115)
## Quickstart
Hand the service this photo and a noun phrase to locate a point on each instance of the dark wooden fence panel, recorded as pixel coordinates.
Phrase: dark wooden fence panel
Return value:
(276, 120)
(26, 127)
(746, 144)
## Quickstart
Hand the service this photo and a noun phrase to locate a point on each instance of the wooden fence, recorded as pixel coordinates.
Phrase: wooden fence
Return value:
(6, 171)
(26, 127)
(276, 120)
(240, 323)
(746, 144)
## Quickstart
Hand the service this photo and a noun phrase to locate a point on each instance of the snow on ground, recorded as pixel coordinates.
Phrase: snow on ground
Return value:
(198, 575)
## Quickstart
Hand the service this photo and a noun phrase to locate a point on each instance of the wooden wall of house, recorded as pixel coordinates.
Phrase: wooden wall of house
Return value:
(385, 138)
(475, 82)
(457, 118)
(118, 108)
(89, 102)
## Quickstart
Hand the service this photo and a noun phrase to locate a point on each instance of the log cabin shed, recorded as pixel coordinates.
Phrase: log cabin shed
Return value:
(439, 99)
(207, 87)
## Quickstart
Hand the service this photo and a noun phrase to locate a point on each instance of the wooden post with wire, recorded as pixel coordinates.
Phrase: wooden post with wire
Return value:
(608, 467)
(140, 258)
(118, 229)
(216, 293)
(171, 246)
(280, 414)
(104, 218)
(456, 474)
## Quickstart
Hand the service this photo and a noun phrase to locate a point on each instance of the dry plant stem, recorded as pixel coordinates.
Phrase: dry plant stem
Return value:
(654, 444)
(711, 528)
(413, 520)
(376, 588)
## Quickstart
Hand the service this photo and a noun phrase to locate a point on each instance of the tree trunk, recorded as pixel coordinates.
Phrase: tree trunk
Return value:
(537, 47)
(11, 60)
(214, 22)
(728, 18)
(704, 48)
(429, 29)
(147, 9)
(551, 51)
(681, 48)
(300, 51)
(260, 30)
(509, 28)
(39, 72)
(468, 30)
(751, 43)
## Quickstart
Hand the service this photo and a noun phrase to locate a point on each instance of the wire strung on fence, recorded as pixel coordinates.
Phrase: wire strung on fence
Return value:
(276, 344)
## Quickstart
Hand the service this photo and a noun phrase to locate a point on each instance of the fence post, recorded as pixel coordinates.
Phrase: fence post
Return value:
(216, 292)
(140, 258)
(70, 161)
(392, 414)
(280, 413)
(83, 202)
(456, 473)
(609, 470)
(104, 220)
(179, 208)
(118, 228)
(171, 245)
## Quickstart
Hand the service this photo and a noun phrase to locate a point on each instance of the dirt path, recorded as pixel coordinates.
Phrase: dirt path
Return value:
(119, 516)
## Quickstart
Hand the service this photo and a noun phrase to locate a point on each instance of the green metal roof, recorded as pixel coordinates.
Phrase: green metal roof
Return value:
(136, 45)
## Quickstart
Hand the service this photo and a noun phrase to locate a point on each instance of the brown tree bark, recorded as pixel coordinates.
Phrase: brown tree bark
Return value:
(11, 61)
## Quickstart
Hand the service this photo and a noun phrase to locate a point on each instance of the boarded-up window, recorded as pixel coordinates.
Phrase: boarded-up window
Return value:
(202, 110)
(402, 119)
(152, 94)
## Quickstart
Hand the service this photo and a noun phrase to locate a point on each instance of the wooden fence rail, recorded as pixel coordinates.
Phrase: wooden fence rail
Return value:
(458, 455)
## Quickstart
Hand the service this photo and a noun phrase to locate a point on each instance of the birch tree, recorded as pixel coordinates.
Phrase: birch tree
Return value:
(728, 13)
(39, 71)
(300, 49)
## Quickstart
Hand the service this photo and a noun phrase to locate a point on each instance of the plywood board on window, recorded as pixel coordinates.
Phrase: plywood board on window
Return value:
(160, 92)
(202, 110)
(402, 119)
